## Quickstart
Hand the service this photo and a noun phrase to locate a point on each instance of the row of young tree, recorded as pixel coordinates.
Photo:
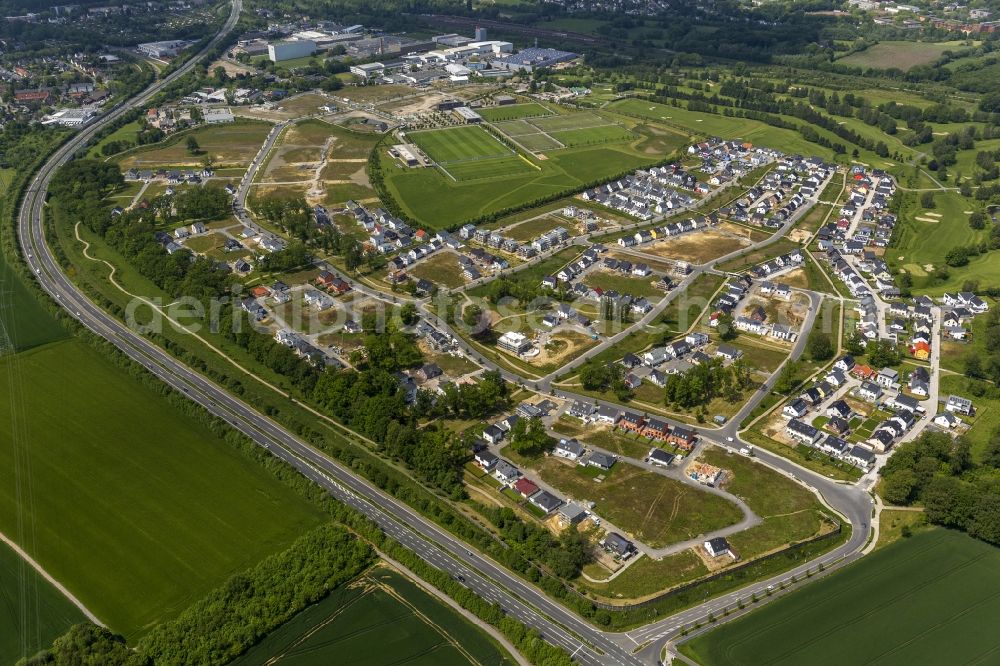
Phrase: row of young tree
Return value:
(224, 624)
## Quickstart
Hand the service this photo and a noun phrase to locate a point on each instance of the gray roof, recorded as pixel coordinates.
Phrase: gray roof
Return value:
(570, 445)
(545, 500)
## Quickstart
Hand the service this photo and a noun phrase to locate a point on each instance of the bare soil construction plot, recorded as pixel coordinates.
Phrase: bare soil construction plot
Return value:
(316, 158)
(699, 247)
(561, 347)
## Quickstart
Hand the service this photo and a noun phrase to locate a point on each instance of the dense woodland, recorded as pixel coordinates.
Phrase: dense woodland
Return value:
(938, 472)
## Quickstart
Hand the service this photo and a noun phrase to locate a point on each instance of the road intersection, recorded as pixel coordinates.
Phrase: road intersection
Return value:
(487, 578)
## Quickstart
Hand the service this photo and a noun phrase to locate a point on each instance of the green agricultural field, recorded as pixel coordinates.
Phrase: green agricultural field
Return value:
(34, 613)
(513, 112)
(930, 594)
(652, 508)
(233, 144)
(24, 323)
(137, 509)
(459, 144)
(384, 608)
(898, 55)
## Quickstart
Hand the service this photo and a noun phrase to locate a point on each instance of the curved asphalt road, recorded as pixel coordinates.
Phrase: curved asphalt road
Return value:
(488, 579)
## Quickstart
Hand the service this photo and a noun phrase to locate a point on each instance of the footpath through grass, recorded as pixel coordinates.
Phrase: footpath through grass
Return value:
(137, 509)
(922, 600)
(34, 613)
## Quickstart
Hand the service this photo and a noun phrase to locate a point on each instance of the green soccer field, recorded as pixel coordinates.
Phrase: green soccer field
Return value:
(513, 111)
(459, 144)
(490, 168)
(136, 508)
(569, 121)
(591, 135)
(922, 600)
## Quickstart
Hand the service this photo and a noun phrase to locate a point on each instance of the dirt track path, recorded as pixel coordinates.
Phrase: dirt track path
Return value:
(45, 574)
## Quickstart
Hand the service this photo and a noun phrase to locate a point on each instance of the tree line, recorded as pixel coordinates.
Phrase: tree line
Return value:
(939, 472)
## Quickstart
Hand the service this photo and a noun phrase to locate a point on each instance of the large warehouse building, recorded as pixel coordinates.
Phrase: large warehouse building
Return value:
(300, 48)
(166, 49)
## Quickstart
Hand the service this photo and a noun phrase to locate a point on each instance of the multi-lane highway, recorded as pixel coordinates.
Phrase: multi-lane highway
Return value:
(439, 548)
(489, 579)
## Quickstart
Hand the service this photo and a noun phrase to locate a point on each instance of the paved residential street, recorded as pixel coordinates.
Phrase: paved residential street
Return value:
(487, 578)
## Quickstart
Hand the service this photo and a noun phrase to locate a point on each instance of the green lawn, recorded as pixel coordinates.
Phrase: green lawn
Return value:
(532, 229)
(34, 613)
(921, 244)
(437, 201)
(686, 308)
(533, 275)
(137, 509)
(591, 135)
(231, 144)
(760, 255)
(457, 144)
(513, 111)
(648, 576)
(652, 508)
(789, 511)
(624, 284)
(569, 121)
(698, 124)
(632, 446)
(442, 269)
(987, 418)
(899, 55)
(126, 132)
(407, 624)
(930, 594)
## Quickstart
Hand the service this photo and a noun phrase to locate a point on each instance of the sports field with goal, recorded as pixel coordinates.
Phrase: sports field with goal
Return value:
(470, 153)
(554, 132)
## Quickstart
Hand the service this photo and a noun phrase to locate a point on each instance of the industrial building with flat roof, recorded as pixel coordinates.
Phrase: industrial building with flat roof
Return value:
(368, 70)
(214, 116)
(468, 115)
(534, 58)
(407, 155)
(165, 49)
(279, 51)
